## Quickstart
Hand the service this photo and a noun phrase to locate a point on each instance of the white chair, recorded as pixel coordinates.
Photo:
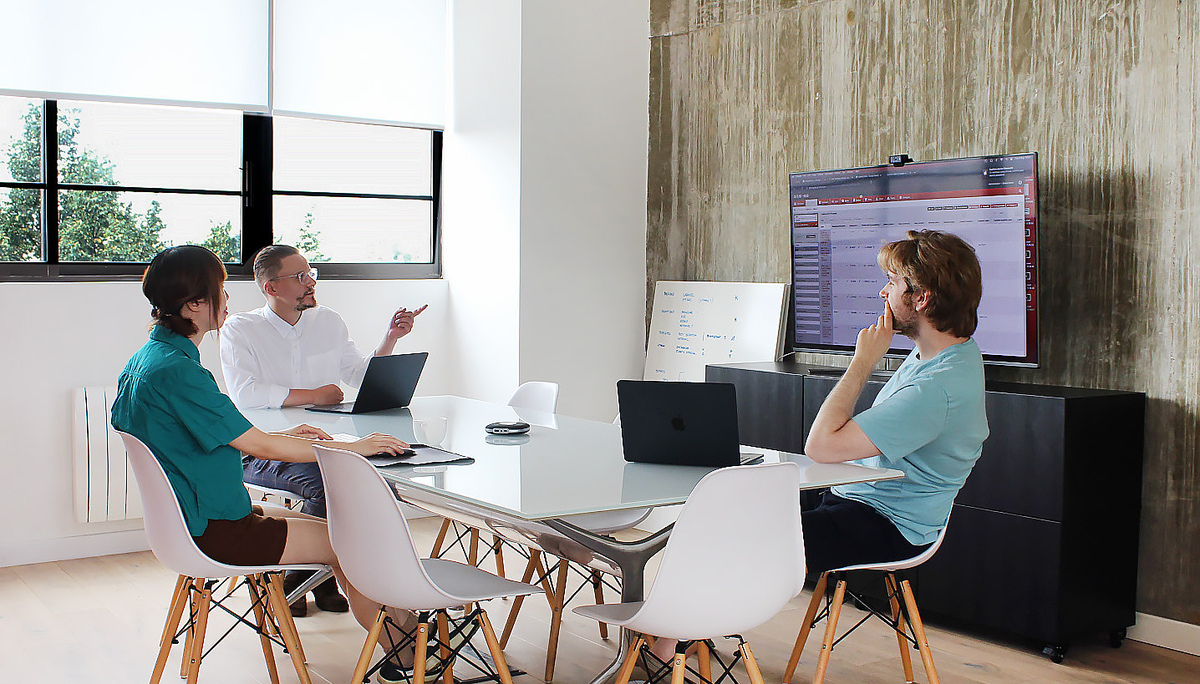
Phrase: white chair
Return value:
(290, 499)
(904, 612)
(173, 545)
(375, 549)
(538, 395)
(698, 595)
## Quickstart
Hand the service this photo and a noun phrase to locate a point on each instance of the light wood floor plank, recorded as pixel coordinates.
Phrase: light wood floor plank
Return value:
(99, 619)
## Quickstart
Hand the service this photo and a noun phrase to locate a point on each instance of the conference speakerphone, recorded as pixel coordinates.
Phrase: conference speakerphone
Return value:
(514, 428)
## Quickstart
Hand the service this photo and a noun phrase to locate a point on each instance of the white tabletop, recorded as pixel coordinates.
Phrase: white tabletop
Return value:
(564, 466)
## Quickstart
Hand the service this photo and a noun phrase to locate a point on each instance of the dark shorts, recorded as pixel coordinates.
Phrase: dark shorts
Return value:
(840, 532)
(256, 539)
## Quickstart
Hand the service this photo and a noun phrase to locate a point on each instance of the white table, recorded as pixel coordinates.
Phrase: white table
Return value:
(565, 466)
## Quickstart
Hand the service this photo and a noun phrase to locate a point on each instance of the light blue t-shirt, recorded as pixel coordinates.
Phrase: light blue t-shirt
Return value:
(929, 422)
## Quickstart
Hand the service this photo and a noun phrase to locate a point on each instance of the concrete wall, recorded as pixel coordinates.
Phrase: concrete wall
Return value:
(744, 92)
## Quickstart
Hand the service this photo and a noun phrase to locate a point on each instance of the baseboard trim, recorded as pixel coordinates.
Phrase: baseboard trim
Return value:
(1168, 633)
(70, 548)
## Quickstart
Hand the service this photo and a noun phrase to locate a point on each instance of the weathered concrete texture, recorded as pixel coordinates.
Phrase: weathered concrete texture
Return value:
(742, 93)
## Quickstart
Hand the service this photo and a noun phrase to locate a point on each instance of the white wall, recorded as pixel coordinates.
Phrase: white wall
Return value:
(482, 197)
(545, 197)
(584, 126)
(543, 255)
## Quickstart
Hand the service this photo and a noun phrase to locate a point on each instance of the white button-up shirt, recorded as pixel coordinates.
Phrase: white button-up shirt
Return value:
(263, 358)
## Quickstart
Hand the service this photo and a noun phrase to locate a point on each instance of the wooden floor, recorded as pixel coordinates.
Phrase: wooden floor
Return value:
(98, 619)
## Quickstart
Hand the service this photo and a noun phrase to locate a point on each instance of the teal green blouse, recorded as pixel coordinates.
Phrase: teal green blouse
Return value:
(172, 403)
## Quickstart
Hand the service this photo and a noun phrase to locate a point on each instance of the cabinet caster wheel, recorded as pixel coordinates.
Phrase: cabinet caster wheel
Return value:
(1116, 637)
(1057, 652)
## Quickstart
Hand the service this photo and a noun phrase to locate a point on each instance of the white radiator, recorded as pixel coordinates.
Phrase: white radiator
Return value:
(105, 488)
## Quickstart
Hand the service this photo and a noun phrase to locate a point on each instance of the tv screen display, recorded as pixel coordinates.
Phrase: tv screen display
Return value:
(840, 218)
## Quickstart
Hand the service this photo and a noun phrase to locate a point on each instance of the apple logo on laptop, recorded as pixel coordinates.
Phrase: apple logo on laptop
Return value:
(677, 423)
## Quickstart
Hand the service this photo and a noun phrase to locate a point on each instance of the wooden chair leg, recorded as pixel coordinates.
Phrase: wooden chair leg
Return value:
(441, 538)
(598, 585)
(287, 627)
(192, 596)
(678, 668)
(364, 658)
(835, 610)
(630, 661)
(813, 606)
(889, 583)
(919, 632)
(705, 661)
(556, 615)
(203, 602)
(422, 650)
(751, 664)
(473, 548)
(179, 600)
(262, 620)
(530, 567)
(498, 552)
(494, 648)
(444, 640)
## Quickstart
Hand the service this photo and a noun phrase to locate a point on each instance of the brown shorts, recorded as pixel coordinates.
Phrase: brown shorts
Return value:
(256, 539)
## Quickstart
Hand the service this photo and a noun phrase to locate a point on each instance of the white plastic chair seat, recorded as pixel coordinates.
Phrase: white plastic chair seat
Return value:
(270, 491)
(893, 566)
(464, 583)
(618, 614)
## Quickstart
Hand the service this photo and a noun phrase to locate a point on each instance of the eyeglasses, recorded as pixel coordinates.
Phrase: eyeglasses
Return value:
(311, 273)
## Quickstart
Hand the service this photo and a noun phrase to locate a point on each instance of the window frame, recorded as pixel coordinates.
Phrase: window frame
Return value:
(257, 193)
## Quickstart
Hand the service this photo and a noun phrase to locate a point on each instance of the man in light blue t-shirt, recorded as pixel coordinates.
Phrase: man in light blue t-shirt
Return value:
(928, 420)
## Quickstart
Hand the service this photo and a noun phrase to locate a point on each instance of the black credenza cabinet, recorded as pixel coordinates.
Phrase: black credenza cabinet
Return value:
(1043, 538)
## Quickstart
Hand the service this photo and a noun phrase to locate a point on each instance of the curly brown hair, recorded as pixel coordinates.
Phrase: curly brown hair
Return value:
(944, 266)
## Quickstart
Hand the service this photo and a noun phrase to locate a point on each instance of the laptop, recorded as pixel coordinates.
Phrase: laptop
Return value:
(389, 383)
(680, 423)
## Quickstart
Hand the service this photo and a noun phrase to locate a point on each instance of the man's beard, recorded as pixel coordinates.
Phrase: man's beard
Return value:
(906, 327)
(302, 305)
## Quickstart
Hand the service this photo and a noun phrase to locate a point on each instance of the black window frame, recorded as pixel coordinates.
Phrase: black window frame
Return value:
(257, 193)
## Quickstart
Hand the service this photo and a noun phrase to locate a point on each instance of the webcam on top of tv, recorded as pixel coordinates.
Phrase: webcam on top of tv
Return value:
(899, 159)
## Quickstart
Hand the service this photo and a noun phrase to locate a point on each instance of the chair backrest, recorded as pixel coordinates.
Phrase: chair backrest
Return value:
(166, 530)
(370, 536)
(537, 395)
(735, 557)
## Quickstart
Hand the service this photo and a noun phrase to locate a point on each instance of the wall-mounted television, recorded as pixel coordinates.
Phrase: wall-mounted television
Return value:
(840, 218)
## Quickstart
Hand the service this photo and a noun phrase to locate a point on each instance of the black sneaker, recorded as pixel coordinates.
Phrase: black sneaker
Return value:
(391, 673)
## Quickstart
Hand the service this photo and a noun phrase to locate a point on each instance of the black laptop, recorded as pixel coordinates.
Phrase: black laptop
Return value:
(680, 423)
(389, 383)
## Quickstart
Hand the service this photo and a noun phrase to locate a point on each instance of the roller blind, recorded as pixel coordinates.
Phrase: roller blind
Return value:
(213, 52)
(367, 59)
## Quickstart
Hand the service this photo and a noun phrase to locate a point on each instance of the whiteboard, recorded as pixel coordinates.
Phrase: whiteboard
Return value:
(694, 324)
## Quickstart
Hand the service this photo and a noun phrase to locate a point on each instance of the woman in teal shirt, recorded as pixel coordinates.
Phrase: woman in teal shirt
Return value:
(172, 403)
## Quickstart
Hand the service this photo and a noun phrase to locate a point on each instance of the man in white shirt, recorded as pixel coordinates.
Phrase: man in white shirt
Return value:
(291, 352)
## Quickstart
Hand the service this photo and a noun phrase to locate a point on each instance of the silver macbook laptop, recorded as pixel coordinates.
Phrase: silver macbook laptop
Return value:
(389, 383)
